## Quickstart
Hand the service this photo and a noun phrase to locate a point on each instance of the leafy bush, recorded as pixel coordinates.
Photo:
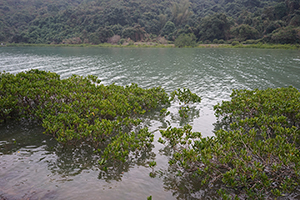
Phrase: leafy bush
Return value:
(221, 41)
(185, 97)
(234, 43)
(215, 41)
(185, 40)
(121, 41)
(80, 110)
(256, 157)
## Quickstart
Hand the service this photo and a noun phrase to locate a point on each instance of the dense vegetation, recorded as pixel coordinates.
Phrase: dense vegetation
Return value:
(81, 110)
(117, 21)
(254, 153)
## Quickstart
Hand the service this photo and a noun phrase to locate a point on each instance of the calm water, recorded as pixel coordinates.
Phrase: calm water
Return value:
(34, 166)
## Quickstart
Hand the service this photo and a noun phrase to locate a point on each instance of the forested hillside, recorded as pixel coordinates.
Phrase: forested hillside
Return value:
(115, 21)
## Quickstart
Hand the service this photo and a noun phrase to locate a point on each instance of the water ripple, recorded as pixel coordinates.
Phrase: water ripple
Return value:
(211, 73)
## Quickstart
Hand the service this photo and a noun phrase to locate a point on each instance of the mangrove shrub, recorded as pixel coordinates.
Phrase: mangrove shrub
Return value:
(256, 156)
(80, 110)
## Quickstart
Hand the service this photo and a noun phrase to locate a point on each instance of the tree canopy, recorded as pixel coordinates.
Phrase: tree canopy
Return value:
(94, 22)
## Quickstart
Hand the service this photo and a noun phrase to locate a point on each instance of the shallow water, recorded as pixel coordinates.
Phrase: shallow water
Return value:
(34, 166)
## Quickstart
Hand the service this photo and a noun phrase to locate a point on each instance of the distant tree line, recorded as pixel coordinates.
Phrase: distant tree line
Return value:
(117, 21)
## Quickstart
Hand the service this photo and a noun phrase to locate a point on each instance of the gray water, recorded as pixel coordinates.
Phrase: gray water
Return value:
(34, 166)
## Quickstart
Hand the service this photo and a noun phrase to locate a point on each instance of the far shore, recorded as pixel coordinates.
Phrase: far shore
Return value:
(158, 45)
